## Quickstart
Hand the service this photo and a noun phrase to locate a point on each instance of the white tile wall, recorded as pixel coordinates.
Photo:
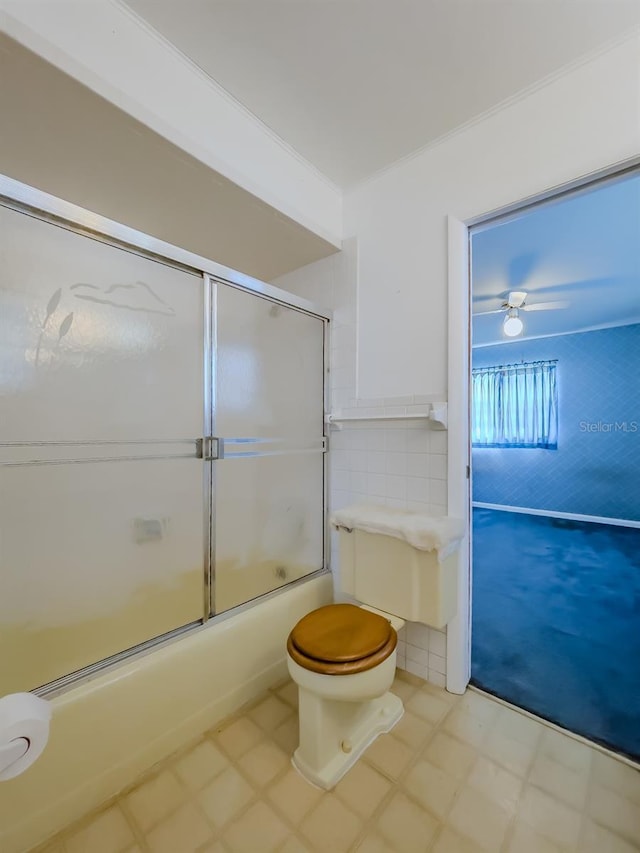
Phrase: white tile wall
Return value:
(422, 651)
(399, 463)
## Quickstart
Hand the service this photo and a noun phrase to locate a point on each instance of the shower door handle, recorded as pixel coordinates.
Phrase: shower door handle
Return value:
(209, 448)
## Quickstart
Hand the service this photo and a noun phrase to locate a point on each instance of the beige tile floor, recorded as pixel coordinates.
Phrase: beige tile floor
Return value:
(456, 775)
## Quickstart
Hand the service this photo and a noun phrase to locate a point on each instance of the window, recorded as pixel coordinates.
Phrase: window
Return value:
(515, 405)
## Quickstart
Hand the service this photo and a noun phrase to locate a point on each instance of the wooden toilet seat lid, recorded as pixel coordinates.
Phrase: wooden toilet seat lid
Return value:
(342, 634)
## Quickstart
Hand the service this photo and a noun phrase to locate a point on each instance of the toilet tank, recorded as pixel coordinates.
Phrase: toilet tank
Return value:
(391, 575)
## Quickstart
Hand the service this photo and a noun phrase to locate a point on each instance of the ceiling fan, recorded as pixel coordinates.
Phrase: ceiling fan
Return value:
(516, 302)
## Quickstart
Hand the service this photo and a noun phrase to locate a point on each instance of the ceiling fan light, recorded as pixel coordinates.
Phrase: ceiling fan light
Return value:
(513, 325)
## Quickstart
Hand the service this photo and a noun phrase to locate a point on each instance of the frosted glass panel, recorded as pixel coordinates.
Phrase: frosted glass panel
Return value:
(95, 342)
(269, 414)
(269, 524)
(96, 558)
(101, 494)
(269, 370)
(101, 358)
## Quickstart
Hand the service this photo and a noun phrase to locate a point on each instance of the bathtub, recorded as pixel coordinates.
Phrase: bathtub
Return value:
(110, 729)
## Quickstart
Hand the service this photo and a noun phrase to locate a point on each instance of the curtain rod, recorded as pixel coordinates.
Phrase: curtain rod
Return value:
(523, 365)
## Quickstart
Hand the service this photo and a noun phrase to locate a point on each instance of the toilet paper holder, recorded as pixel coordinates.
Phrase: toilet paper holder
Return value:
(12, 752)
(24, 732)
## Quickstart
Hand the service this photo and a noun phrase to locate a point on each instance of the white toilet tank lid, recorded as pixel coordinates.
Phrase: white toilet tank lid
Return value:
(441, 533)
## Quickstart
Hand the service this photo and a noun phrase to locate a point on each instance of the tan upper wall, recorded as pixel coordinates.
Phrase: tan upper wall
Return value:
(60, 137)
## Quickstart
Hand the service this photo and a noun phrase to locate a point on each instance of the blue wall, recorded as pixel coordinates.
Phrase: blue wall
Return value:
(596, 468)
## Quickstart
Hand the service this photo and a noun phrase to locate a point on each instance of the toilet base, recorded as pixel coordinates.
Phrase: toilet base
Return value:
(340, 726)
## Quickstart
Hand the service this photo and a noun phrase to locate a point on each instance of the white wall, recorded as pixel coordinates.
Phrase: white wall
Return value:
(106, 47)
(388, 288)
(578, 123)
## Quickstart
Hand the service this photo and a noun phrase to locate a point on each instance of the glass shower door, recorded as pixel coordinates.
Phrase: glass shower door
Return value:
(268, 415)
(101, 487)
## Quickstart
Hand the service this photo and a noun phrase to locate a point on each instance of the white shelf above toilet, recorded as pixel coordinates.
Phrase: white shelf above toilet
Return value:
(437, 413)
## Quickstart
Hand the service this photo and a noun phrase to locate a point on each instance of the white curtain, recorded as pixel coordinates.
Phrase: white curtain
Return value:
(515, 405)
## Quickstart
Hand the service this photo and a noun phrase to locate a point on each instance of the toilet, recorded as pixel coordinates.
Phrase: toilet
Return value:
(397, 566)
(343, 659)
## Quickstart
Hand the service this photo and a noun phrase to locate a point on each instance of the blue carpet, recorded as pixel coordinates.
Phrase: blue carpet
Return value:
(556, 621)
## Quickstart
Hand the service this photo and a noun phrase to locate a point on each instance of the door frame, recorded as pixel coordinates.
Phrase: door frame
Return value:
(459, 467)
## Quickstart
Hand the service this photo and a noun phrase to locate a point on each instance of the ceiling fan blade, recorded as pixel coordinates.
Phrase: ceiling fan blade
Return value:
(492, 297)
(484, 313)
(578, 287)
(587, 284)
(546, 306)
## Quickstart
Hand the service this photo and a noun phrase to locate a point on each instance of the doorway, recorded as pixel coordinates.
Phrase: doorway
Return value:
(555, 457)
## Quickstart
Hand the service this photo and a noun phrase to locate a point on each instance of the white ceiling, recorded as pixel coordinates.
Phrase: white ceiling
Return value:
(584, 249)
(354, 85)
